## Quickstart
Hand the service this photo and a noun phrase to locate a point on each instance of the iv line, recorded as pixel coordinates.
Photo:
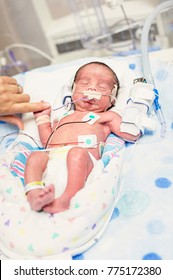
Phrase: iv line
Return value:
(146, 64)
(68, 103)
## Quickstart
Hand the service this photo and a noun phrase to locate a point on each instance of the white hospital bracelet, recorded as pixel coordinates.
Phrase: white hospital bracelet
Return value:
(33, 186)
(43, 119)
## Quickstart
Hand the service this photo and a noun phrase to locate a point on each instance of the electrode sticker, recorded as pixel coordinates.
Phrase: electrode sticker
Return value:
(87, 141)
(92, 117)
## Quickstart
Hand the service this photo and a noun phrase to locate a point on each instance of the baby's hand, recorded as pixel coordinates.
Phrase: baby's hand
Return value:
(43, 112)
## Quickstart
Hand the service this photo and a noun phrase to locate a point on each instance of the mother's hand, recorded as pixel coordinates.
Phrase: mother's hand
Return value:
(13, 102)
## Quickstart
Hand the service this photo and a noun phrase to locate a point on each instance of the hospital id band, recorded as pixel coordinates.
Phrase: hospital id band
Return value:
(43, 119)
(33, 186)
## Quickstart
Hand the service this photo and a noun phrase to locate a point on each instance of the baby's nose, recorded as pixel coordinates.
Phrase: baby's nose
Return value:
(92, 88)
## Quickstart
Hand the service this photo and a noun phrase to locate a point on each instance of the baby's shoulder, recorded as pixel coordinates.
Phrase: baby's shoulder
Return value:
(108, 113)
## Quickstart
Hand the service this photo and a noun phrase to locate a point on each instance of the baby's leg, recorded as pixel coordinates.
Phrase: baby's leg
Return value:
(79, 166)
(35, 166)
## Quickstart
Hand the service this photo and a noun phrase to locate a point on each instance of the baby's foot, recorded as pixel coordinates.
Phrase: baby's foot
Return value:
(38, 198)
(56, 206)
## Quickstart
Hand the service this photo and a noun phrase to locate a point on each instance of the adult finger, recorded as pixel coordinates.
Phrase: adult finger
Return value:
(14, 98)
(6, 88)
(8, 80)
(13, 120)
(29, 107)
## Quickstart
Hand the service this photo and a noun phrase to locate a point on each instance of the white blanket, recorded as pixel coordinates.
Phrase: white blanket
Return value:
(29, 234)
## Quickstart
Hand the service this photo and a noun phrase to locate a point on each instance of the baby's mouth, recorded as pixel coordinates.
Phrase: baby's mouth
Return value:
(89, 101)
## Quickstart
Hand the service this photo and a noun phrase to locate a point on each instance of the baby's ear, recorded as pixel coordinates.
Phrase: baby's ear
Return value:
(115, 91)
(113, 100)
(114, 94)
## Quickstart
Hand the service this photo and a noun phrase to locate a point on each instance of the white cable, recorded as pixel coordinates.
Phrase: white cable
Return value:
(20, 45)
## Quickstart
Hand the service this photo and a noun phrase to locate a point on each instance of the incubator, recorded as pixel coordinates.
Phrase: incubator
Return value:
(91, 24)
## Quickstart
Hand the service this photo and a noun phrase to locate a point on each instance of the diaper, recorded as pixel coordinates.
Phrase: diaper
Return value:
(56, 171)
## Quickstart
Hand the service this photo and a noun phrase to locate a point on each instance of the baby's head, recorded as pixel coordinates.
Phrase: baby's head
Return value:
(97, 84)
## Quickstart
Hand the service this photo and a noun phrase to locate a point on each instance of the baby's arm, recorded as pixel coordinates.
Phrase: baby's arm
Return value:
(44, 125)
(113, 120)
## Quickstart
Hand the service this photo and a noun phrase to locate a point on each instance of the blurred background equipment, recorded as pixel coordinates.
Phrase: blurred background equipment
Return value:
(66, 30)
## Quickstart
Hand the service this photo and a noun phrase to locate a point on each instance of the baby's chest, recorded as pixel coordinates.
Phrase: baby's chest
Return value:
(76, 127)
(81, 124)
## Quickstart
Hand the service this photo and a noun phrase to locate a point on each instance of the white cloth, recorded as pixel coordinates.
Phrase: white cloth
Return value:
(56, 171)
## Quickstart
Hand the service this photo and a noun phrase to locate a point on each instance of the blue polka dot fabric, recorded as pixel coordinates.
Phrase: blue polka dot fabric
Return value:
(141, 227)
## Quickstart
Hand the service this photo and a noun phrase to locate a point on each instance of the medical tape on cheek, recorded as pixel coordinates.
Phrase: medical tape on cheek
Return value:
(92, 94)
(97, 95)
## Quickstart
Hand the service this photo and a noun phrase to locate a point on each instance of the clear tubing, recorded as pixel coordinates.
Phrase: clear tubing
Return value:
(144, 38)
(26, 46)
(145, 59)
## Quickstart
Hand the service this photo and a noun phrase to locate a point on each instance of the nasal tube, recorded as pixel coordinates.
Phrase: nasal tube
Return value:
(146, 64)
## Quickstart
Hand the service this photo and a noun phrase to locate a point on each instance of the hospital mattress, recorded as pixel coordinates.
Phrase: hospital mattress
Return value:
(136, 221)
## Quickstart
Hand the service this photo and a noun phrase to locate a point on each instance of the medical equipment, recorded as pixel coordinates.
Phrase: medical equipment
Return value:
(10, 65)
(8, 51)
(113, 3)
(146, 64)
(91, 94)
(91, 24)
(87, 141)
(136, 115)
(8, 68)
(67, 104)
(132, 45)
(92, 117)
(88, 95)
(96, 32)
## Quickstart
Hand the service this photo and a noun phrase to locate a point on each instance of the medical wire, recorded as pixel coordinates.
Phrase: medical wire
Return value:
(19, 133)
(49, 138)
(20, 45)
(69, 103)
(57, 127)
(82, 98)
